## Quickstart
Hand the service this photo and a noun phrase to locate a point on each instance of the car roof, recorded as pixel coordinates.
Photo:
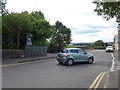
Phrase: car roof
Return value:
(72, 48)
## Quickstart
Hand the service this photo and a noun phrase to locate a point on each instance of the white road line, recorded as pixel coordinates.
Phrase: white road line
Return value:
(113, 63)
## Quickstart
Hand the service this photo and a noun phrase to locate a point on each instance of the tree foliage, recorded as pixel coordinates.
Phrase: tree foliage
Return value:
(107, 9)
(3, 10)
(17, 26)
(42, 31)
(61, 37)
(37, 15)
(98, 44)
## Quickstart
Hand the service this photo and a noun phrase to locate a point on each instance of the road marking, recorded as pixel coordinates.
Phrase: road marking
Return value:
(100, 79)
(113, 63)
(97, 81)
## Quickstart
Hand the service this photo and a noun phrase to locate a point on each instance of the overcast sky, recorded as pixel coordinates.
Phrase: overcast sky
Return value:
(78, 15)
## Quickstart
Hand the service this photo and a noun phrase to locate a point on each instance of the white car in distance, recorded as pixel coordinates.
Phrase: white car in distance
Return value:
(109, 49)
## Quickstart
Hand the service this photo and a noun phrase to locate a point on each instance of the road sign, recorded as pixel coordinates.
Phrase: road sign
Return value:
(29, 42)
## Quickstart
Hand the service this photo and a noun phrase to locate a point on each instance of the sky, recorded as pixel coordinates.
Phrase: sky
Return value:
(78, 15)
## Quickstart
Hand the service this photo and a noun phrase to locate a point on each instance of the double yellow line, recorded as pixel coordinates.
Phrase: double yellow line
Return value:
(97, 81)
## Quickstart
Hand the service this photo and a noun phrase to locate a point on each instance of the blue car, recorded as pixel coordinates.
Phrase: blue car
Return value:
(69, 56)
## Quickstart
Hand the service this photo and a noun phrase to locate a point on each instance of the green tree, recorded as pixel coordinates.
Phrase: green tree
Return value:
(15, 28)
(98, 45)
(42, 31)
(61, 37)
(37, 15)
(3, 10)
(107, 9)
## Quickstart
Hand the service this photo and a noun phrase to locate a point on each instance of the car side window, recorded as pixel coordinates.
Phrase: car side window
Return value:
(74, 51)
(67, 51)
(82, 52)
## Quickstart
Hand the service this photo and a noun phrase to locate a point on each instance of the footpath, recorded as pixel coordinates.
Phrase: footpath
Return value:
(6, 61)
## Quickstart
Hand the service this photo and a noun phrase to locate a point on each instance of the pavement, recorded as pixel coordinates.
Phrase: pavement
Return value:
(6, 61)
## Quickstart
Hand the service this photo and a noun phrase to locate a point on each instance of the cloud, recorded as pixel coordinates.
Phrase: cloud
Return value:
(100, 27)
(84, 31)
(91, 29)
(105, 35)
(78, 15)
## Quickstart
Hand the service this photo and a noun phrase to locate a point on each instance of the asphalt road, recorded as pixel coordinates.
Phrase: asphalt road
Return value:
(49, 74)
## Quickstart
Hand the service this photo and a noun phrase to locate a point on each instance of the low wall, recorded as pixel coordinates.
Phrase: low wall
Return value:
(12, 53)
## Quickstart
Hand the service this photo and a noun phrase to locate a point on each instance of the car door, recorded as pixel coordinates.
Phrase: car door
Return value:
(75, 54)
(82, 55)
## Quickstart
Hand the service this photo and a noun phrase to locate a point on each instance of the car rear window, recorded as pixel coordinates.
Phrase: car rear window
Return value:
(109, 47)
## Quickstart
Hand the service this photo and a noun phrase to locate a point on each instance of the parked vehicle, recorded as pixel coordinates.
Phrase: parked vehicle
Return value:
(70, 56)
(109, 49)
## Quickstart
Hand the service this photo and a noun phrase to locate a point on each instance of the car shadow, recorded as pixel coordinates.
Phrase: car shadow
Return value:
(75, 64)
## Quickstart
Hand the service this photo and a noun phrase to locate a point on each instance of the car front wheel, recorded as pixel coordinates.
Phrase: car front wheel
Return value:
(90, 60)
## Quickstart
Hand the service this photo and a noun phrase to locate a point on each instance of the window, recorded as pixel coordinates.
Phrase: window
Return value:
(74, 51)
(82, 52)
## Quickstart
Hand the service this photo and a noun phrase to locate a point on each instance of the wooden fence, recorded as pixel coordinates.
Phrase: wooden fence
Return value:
(31, 51)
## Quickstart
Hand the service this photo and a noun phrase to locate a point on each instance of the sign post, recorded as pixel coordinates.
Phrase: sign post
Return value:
(29, 42)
